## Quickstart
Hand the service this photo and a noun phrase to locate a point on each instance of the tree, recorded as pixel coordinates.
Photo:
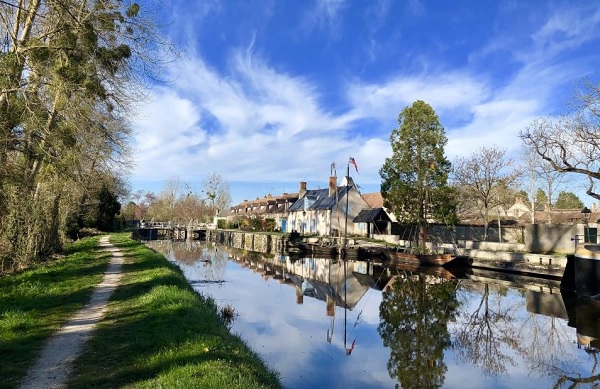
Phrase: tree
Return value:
(217, 192)
(484, 179)
(143, 201)
(571, 143)
(415, 314)
(69, 73)
(414, 179)
(568, 200)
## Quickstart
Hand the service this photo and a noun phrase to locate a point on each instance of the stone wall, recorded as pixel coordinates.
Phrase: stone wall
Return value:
(555, 238)
(252, 241)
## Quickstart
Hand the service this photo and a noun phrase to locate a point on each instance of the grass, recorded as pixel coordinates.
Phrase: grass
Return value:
(158, 332)
(35, 302)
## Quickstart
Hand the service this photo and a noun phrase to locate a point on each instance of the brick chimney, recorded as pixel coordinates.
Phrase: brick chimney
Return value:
(302, 190)
(332, 185)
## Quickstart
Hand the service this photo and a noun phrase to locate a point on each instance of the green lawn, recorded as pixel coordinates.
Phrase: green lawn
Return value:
(158, 331)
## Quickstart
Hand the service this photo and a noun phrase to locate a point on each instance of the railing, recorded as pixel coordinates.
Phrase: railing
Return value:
(171, 225)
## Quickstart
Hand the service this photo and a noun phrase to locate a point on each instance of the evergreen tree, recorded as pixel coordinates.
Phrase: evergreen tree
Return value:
(414, 179)
(568, 200)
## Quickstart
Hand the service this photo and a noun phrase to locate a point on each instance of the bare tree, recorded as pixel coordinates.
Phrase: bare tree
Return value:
(541, 176)
(483, 180)
(571, 143)
(217, 192)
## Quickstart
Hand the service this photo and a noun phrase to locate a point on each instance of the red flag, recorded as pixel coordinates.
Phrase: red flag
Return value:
(352, 161)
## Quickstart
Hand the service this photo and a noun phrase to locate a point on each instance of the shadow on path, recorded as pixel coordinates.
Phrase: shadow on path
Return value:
(53, 365)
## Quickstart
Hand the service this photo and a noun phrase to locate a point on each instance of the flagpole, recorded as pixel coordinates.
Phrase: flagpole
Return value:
(347, 199)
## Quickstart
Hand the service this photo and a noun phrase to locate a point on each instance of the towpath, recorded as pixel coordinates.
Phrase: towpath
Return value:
(53, 366)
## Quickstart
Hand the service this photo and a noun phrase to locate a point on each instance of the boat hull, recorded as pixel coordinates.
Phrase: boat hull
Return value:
(445, 260)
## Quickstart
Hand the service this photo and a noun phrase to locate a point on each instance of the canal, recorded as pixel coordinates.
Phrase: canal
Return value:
(324, 323)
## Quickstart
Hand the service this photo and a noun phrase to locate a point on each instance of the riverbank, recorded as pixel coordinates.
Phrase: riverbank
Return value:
(157, 331)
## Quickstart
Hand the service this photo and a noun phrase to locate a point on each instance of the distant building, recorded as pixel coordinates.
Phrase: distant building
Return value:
(268, 207)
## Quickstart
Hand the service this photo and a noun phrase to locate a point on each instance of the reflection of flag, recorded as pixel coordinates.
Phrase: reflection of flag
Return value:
(352, 161)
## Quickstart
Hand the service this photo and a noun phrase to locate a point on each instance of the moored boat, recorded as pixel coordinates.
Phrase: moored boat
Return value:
(446, 260)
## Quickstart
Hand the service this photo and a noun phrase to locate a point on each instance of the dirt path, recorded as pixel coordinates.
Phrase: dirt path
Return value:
(53, 365)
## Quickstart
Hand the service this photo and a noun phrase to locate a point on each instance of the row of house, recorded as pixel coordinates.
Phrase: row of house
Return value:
(325, 212)
(339, 208)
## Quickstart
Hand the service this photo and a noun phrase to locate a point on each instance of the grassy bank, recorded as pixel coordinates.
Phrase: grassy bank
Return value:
(158, 331)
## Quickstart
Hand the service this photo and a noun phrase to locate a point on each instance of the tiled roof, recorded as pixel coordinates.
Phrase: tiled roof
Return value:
(375, 200)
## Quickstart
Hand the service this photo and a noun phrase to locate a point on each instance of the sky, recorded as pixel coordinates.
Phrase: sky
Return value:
(269, 93)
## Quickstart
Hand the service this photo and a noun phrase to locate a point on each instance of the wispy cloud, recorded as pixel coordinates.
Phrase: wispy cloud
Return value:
(324, 16)
(254, 114)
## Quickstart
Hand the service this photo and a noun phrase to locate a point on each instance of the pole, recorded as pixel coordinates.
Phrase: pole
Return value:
(347, 199)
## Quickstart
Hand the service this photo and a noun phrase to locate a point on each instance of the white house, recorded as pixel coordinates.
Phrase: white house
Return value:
(327, 212)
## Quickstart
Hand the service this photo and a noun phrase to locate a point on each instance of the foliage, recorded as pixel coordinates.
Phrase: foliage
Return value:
(414, 179)
(568, 200)
(541, 197)
(414, 324)
(68, 77)
(178, 203)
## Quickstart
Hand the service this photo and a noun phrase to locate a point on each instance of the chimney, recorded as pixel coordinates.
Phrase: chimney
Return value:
(302, 190)
(332, 185)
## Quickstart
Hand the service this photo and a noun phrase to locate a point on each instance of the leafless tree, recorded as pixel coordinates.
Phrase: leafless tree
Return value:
(483, 180)
(571, 143)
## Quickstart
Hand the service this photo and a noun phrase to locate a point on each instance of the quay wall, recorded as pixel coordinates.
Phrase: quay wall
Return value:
(534, 238)
(252, 241)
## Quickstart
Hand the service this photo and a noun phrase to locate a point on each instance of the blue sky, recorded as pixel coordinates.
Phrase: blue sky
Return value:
(270, 93)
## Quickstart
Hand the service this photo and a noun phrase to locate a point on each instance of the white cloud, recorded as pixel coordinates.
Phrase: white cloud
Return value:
(443, 91)
(253, 122)
(324, 16)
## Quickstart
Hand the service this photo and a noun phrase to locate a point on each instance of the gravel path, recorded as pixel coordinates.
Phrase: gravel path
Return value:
(53, 366)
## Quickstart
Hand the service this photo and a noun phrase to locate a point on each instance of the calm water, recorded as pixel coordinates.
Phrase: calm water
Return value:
(335, 324)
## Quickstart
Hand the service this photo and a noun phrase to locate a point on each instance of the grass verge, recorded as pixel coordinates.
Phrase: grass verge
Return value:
(159, 333)
(35, 302)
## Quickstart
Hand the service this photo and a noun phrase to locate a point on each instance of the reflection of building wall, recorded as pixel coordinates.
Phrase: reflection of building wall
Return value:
(326, 277)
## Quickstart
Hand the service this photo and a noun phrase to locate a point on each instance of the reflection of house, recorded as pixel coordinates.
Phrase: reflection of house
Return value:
(323, 211)
(320, 278)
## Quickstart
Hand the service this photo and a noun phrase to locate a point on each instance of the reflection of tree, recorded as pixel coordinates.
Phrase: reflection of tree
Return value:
(414, 316)
(545, 340)
(480, 339)
(212, 260)
(576, 381)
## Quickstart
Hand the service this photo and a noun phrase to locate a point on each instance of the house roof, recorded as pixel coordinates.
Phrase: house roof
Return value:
(371, 215)
(375, 200)
(321, 199)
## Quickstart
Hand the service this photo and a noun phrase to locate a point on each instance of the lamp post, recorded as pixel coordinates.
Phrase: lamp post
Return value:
(303, 221)
(585, 214)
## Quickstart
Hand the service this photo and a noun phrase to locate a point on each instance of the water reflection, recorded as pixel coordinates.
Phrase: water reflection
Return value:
(415, 312)
(328, 323)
